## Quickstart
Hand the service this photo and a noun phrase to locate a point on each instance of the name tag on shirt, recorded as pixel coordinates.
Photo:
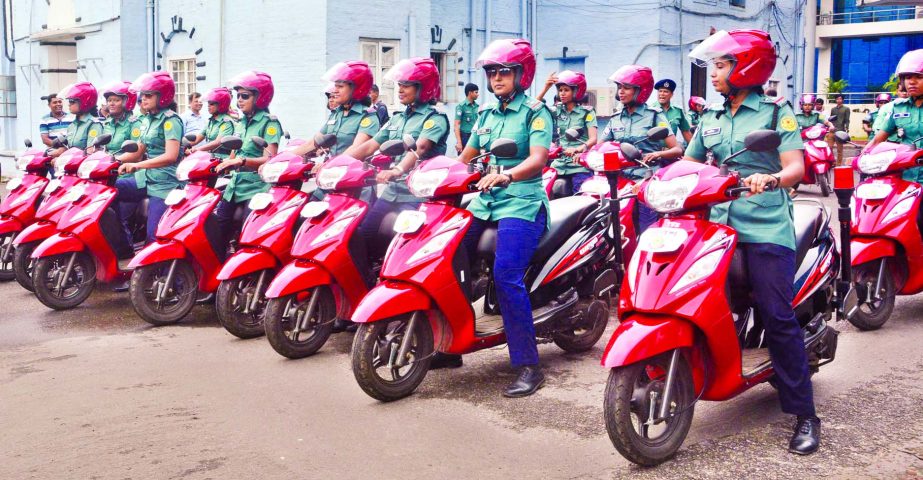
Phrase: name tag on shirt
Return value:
(711, 131)
(392, 127)
(618, 129)
(901, 115)
(485, 130)
(331, 121)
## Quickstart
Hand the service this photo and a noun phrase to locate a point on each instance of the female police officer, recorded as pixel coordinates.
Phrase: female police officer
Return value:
(219, 125)
(81, 98)
(631, 122)
(571, 113)
(906, 118)
(154, 164)
(513, 197)
(742, 61)
(254, 93)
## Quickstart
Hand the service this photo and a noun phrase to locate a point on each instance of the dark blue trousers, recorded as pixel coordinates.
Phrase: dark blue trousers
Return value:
(647, 216)
(577, 180)
(224, 213)
(129, 198)
(517, 240)
(370, 225)
(772, 270)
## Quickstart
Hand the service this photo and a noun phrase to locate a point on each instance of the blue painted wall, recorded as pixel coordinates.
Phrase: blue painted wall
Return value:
(869, 62)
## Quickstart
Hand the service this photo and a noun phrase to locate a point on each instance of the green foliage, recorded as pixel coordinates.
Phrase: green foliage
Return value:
(890, 85)
(832, 86)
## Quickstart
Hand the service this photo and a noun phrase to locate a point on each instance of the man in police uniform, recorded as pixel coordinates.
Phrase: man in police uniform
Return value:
(466, 113)
(675, 115)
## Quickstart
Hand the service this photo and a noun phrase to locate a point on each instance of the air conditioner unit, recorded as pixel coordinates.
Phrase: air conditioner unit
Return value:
(603, 99)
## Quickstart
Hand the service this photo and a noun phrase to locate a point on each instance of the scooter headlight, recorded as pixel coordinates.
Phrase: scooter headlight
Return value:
(175, 196)
(436, 245)
(409, 221)
(596, 161)
(328, 178)
(813, 133)
(183, 169)
(75, 193)
(424, 183)
(23, 162)
(260, 201)
(52, 186)
(278, 219)
(333, 230)
(595, 186)
(59, 164)
(900, 209)
(314, 209)
(872, 163)
(13, 184)
(86, 168)
(271, 172)
(873, 191)
(702, 268)
(666, 196)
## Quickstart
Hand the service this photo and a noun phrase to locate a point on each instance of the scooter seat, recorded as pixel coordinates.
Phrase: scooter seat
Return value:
(565, 216)
(809, 220)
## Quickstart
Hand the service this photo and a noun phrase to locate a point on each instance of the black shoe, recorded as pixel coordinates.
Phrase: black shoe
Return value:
(445, 360)
(807, 436)
(340, 325)
(205, 299)
(121, 287)
(529, 380)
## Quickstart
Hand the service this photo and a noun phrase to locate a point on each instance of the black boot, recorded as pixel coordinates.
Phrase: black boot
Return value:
(340, 325)
(445, 360)
(807, 436)
(121, 287)
(529, 380)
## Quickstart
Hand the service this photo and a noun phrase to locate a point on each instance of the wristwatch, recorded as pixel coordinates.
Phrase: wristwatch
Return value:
(243, 163)
(509, 177)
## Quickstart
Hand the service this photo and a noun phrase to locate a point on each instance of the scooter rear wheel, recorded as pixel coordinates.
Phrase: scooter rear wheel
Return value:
(582, 338)
(6, 257)
(628, 404)
(75, 289)
(294, 328)
(873, 315)
(375, 348)
(231, 302)
(177, 301)
(23, 264)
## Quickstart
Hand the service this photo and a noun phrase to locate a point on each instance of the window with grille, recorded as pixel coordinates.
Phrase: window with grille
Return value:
(382, 55)
(183, 72)
(448, 73)
(7, 96)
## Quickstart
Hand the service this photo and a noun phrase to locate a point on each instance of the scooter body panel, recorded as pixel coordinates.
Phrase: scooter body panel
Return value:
(38, 231)
(273, 228)
(22, 202)
(298, 276)
(247, 260)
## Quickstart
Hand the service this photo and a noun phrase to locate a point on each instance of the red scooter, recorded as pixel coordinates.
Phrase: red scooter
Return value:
(689, 329)
(265, 244)
(331, 271)
(887, 247)
(19, 208)
(426, 299)
(168, 274)
(89, 241)
(818, 158)
(550, 175)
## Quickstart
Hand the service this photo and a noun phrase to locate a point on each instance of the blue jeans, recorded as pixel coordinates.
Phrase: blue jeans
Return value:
(128, 199)
(771, 269)
(517, 240)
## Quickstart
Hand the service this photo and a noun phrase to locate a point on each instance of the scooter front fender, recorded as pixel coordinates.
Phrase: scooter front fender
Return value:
(389, 299)
(821, 168)
(58, 244)
(156, 252)
(643, 336)
(298, 276)
(246, 260)
(9, 225)
(865, 250)
(36, 232)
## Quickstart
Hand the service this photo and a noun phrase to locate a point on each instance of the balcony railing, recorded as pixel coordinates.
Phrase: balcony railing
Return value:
(870, 16)
(849, 98)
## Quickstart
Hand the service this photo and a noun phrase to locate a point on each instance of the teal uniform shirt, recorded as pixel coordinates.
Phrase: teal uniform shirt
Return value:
(155, 131)
(883, 114)
(677, 119)
(221, 125)
(906, 122)
(694, 118)
(346, 123)
(83, 130)
(527, 122)
(245, 184)
(808, 121)
(467, 113)
(762, 218)
(632, 128)
(422, 121)
(581, 118)
(121, 129)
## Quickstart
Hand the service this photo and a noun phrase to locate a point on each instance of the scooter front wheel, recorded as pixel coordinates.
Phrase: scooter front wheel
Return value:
(824, 182)
(64, 281)
(873, 312)
(241, 303)
(23, 264)
(634, 394)
(297, 326)
(6, 257)
(157, 302)
(380, 369)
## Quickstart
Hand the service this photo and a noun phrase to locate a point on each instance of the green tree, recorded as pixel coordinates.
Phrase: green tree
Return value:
(832, 87)
(891, 85)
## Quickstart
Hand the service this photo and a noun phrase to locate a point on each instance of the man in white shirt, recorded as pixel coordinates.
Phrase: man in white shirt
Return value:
(193, 119)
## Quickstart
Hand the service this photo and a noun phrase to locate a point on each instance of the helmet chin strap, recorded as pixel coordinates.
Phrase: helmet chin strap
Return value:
(507, 98)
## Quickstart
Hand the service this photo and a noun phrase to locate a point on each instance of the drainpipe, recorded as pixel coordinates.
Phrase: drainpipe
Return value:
(810, 32)
(523, 8)
(471, 33)
(151, 62)
(411, 33)
(488, 19)
(221, 43)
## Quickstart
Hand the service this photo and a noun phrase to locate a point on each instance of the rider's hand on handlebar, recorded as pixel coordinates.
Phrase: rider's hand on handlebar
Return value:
(493, 180)
(760, 182)
(651, 158)
(228, 164)
(128, 168)
(385, 176)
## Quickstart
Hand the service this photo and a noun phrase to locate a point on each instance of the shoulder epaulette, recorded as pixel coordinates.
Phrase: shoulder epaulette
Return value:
(372, 109)
(780, 101)
(133, 118)
(901, 100)
(716, 107)
(439, 108)
(273, 117)
(656, 109)
(170, 113)
(534, 104)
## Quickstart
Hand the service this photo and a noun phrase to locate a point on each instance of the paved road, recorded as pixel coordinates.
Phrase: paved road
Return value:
(96, 393)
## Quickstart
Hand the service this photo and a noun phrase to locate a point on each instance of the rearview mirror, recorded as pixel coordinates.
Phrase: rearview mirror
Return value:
(762, 140)
(657, 134)
(191, 137)
(409, 142)
(841, 137)
(831, 118)
(28, 143)
(129, 146)
(58, 142)
(259, 141)
(287, 135)
(325, 141)
(572, 134)
(231, 143)
(103, 139)
(503, 148)
(630, 151)
(393, 148)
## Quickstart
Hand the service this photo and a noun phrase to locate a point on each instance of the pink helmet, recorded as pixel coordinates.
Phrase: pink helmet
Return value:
(752, 51)
(421, 71)
(220, 96)
(122, 89)
(331, 89)
(83, 92)
(807, 99)
(356, 73)
(510, 53)
(696, 101)
(576, 81)
(159, 83)
(911, 63)
(882, 98)
(641, 78)
(257, 82)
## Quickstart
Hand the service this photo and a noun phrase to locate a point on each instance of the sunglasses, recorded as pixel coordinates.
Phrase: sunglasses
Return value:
(213, 103)
(244, 96)
(502, 71)
(147, 95)
(72, 101)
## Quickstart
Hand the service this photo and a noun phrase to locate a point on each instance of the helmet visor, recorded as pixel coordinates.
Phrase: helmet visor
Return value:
(402, 72)
(337, 73)
(719, 45)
